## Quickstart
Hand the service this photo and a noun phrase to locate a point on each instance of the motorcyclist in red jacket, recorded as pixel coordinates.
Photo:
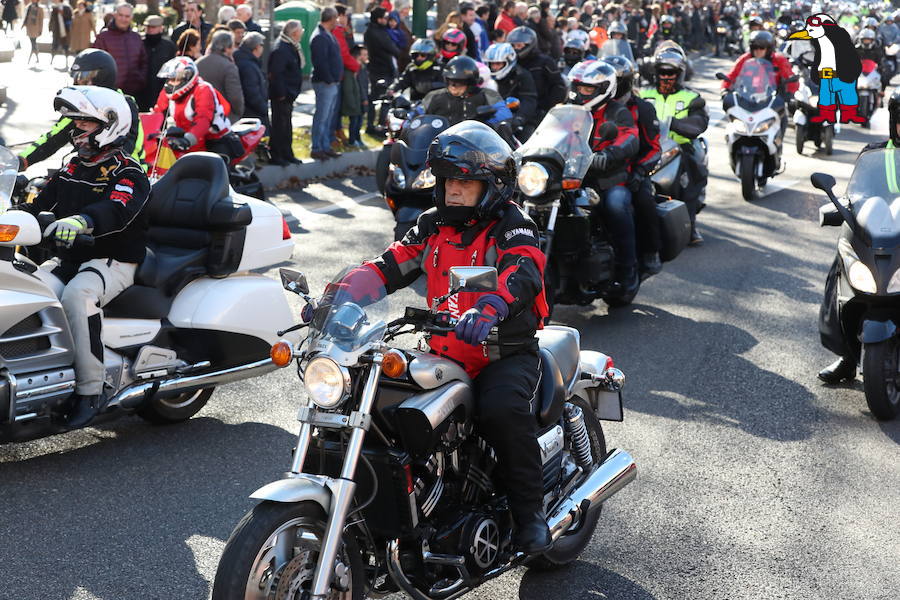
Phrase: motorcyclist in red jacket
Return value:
(477, 223)
(197, 108)
(762, 47)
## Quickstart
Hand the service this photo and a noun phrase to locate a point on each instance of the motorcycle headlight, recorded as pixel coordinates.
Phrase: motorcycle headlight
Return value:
(894, 284)
(326, 381)
(738, 125)
(668, 156)
(764, 126)
(533, 179)
(861, 278)
(399, 177)
(423, 180)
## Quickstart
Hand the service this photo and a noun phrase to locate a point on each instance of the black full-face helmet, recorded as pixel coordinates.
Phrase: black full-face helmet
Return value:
(762, 40)
(625, 70)
(462, 68)
(523, 40)
(472, 150)
(94, 67)
(894, 116)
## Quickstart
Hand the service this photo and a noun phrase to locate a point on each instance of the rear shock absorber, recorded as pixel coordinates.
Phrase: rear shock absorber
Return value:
(576, 430)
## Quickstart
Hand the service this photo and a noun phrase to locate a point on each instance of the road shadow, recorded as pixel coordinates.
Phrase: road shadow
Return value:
(126, 533)
(715, 384)
(891, 429)
(580, 581)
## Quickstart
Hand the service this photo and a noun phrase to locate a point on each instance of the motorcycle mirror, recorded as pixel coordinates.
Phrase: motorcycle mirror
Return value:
(823, 181)
(293, 281)
(722, 76)
(402, 102)
(829, 216)
(400, 113)
(473, 279)
(608, 132)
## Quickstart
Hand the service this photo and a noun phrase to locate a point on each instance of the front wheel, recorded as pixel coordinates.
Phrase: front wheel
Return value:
(828, 139)
(748, 177)
(174, 409)
(800, 133)
(566, 549)
(381, 168)
(272, 555)
(881, 378)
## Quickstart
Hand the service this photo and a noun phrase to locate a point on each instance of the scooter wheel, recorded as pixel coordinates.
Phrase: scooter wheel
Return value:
(748, 177)
(880, 380)
(801, 137)
(828, 139)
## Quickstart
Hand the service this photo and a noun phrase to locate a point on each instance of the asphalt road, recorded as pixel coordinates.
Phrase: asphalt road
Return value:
(754, 480)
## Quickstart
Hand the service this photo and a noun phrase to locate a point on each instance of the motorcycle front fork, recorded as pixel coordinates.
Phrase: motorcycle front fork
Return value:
(343, 487)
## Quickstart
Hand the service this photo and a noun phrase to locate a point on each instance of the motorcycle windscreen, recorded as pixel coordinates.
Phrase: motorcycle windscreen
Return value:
(352, 311)
(420, 130)
(755, 85)
(564, 135)
(9, 170)
(874, 192)
(616, 48)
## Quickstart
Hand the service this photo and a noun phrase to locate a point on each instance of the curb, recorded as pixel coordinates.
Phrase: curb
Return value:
(2, 94)
(272, 176)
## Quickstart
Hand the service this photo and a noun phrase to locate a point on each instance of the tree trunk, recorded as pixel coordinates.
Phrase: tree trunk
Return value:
(444, 8)
(211, 11)
(152, 7)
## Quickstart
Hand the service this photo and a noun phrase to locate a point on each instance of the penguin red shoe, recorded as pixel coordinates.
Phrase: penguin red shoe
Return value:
(848, 114)
(826, 114)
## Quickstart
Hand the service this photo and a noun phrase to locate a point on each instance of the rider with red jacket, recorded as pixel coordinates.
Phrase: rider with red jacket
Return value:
(762, 47)
(477, 223)
(197, 108)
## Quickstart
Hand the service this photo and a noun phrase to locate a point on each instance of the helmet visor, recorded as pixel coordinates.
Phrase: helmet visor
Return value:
(84, 77)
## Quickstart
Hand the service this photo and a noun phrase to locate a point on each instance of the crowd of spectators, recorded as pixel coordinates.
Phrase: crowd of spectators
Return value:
(347, 77)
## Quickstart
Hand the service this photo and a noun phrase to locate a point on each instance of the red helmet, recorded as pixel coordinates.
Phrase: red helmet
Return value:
(453, 36)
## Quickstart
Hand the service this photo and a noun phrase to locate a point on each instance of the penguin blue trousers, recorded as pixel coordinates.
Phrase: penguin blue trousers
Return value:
(830, 89)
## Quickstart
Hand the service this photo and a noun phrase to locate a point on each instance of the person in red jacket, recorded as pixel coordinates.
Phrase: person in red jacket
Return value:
(196, 107)
(351, 66)
(127, 48)
(505, 21)
(762, 47)
(594, 87)
(477, 223)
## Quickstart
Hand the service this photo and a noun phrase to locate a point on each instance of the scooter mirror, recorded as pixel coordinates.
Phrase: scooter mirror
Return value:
(829, 216)
(293, 281)
(608, 132)
(822, 181)
(473, 279)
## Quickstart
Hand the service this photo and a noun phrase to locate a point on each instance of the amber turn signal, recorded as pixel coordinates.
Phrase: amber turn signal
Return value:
(8, 232)
(571, 184)
(282, 353)
(394, 364)
(392, 204)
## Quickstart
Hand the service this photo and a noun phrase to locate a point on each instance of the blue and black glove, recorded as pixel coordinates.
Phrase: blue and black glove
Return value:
(475, 324)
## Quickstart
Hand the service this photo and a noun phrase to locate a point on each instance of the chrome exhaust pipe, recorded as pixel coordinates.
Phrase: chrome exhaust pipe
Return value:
(617, 471)
(133, 396)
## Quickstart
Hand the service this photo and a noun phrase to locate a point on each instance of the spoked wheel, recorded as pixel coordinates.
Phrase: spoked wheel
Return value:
(567, 548)
(174, 409)
(800, 133)
(272, 554)
(881, 378)
(748, 177)
(828, 139)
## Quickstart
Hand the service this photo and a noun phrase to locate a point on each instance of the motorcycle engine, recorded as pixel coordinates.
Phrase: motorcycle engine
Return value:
(596, 267)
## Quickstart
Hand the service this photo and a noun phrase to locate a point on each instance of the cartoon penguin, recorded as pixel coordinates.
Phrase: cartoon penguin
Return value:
(836, 67)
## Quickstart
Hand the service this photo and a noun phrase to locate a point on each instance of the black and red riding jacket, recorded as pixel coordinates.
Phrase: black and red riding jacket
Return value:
(620, 150)
(509, 242)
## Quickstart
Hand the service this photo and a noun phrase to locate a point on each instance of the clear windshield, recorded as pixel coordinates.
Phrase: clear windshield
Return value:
(874, 192)
(755, 84)
(352, 312)
(9, 170)
(567, 130)
(616, 48)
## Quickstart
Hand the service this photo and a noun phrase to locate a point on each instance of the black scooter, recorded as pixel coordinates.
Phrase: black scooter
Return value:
(867, 294)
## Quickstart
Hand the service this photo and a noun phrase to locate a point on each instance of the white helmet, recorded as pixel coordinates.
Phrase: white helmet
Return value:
(101, 105)
(578, 38)
(500, 53)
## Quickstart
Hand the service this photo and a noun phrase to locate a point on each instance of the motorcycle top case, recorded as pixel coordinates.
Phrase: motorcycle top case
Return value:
(674, 228)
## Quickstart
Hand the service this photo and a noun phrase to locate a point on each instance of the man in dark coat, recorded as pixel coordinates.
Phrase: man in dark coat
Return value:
(383, 53)
(328, 70)
(127, 49)
(159, 50)
(285, 80)
(193, 19)
(253, 80)
(244, 12)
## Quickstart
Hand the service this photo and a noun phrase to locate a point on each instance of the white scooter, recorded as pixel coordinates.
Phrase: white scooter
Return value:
(868, 89)
(754, 132)
(196, 317)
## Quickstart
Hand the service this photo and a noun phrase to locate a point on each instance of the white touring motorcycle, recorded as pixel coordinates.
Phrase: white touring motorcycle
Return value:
(195, 318)
(391, 488)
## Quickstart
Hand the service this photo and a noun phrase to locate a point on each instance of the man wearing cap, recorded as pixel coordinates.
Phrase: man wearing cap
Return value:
(159, 50)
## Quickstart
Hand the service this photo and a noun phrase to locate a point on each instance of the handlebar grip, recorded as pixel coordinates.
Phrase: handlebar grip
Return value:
(83, 239)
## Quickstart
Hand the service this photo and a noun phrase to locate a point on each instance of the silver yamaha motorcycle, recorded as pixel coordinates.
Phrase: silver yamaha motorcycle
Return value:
(391, 488)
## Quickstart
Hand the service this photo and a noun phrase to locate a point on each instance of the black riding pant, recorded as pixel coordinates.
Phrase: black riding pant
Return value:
(643, 198)
(505, 393)
(280, 137)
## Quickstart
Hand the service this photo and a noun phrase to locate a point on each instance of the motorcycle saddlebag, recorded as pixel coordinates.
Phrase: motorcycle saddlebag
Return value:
(674, 228)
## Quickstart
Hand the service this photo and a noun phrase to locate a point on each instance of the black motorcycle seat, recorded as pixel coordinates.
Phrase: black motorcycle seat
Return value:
(551, 391)
(563, 344)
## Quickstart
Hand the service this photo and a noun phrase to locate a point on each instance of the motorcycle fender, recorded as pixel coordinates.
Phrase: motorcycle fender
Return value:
(877, 331)
(749, 149)
(408, 213)
(607, 404)
(296, 489)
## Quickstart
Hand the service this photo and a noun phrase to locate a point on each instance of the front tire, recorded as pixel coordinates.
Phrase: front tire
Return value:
(881, 378)
(251, 568)
(748, 177)
(566, 549)
(175, 409)
(381, 168)
(801, 137)
(828, 139)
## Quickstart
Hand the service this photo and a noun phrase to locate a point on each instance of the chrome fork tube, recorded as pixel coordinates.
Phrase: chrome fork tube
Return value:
(342, 490)
(303, 441)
